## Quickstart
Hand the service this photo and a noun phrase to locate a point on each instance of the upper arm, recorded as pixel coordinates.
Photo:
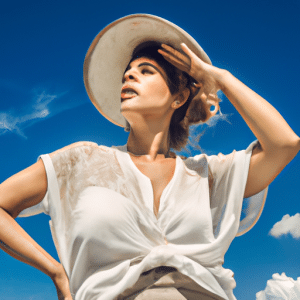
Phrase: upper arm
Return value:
(24, 189)
(28, 187)
(264, 167)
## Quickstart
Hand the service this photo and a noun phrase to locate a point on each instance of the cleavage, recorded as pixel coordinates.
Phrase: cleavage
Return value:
(160, 173)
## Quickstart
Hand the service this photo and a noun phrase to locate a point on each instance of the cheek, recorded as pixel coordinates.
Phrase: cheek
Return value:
(160, 90)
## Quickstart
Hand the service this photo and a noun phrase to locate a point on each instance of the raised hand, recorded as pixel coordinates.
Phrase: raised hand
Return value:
(205, 75)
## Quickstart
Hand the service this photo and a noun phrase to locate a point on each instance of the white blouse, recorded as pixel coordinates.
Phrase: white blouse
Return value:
(105, 230)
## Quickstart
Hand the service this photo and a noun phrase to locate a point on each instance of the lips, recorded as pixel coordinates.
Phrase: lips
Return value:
(128, 93)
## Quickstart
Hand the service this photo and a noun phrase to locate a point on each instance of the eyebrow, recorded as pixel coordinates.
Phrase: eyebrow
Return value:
(147, 64)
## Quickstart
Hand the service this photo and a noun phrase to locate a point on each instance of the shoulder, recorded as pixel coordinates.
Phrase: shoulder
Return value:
(78, 146)
(80, 151)
(209, 163)
(75, 158)
(197, 163)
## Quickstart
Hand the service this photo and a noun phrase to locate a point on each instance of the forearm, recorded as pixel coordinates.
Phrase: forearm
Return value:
(17, 243)
(263, 119)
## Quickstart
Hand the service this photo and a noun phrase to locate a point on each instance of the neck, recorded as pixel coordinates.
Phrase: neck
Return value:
(149, 139)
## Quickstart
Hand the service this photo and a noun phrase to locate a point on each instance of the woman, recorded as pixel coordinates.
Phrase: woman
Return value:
(137, 221)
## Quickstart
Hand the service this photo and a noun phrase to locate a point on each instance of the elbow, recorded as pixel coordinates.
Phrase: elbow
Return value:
(285, 151)
(292, 148)
(295, 144)
(298, 144)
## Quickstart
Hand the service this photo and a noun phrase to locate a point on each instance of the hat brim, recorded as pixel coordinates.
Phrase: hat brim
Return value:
(111, 51)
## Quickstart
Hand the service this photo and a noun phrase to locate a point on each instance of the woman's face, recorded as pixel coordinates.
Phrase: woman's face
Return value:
(145, 90)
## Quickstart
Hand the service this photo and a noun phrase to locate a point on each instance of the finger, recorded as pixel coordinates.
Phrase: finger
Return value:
(212, 96)
(187, 50)
(206, 95)
(210, 102)
(170, 57)
(174, 60)
(170, 49)
(177, 64)
(176, 53)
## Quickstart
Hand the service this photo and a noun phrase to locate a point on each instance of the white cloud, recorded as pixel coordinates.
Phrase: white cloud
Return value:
(218, 117)
(280, 287)
(39, 107)
(288, 224)
(12, 121)
(196, 131)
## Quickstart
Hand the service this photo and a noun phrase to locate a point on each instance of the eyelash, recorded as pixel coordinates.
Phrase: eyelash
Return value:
(146, 71)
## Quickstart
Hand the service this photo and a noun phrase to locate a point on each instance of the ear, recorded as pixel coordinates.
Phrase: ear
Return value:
(181, 98)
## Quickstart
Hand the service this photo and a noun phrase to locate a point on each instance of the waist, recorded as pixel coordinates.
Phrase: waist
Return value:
(162, 283)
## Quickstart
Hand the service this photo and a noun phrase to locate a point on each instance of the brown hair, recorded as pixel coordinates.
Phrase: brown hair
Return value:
(194, 109)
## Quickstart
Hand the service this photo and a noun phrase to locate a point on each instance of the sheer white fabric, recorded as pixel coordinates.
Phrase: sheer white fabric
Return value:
(105, 231)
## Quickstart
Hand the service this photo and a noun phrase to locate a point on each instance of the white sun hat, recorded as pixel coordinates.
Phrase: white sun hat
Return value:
(111, 52)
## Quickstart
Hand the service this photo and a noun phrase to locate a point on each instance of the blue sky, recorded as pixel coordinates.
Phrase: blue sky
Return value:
(44, 106)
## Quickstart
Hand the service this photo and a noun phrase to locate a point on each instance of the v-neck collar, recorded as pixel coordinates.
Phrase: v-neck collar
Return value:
(145, 182)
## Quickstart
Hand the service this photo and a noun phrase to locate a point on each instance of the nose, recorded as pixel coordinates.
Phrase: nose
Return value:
(129, 76)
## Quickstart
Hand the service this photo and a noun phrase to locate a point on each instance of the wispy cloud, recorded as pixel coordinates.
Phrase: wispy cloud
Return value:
(40, 106)
(198, 130)
(15, 121)
(288, 224)
(218, 117)
(280, 287)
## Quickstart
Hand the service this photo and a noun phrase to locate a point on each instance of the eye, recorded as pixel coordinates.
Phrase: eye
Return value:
(146, 71)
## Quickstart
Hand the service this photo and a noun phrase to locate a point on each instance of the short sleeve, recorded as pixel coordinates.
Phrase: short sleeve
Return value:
(69, 171)
(67, 175)
(43, 206)
(228, 177)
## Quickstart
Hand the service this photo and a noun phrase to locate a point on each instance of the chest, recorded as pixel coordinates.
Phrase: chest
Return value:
(124, 207)
(160, 174)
